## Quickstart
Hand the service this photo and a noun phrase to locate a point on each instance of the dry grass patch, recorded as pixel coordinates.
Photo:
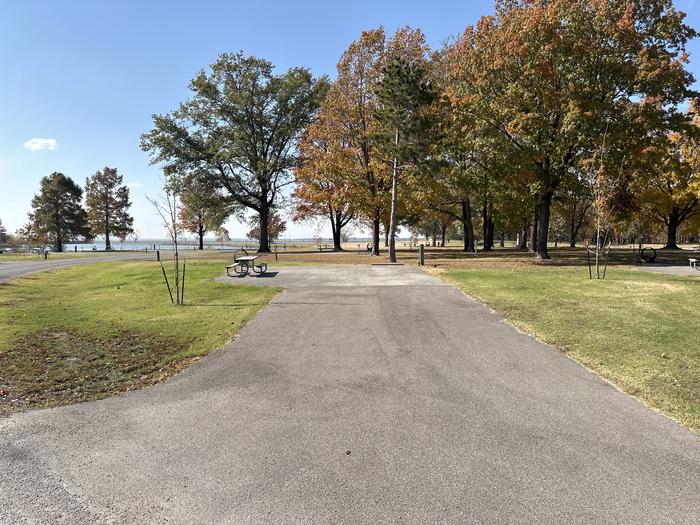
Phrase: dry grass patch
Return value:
(88, 332)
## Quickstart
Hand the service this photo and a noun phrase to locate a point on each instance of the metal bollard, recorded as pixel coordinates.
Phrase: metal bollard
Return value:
(421, 255)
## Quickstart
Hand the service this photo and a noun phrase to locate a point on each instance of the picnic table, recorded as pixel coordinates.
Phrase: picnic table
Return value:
(242, 265)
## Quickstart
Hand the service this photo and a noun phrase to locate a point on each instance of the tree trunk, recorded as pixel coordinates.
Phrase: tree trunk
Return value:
(543, 227)
(264, 246)
(200, 232)
(444, 233)
(108, 243)
(487, 219)
(173, 218)
(467, 240)
(392, 216)
(376, 223)
(502, 241)
(59, 237)
(488, 239)
(336, 225)
(672, 230)
(467, 225)
(522, 241)
(572, 227)
(533, 230)
(337, 247)
(485, 226)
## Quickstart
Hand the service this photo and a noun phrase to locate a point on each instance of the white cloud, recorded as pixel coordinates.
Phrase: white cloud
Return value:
(134, 184)
(37, 144)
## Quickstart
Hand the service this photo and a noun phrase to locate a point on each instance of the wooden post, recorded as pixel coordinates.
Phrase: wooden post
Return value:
(165, 276)
(158, 255)
(421, 255)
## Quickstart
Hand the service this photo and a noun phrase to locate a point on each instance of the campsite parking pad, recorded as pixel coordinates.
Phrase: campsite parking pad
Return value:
(359, 395)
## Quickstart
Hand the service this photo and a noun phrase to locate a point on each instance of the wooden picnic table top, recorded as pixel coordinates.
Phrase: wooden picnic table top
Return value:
(247, 258)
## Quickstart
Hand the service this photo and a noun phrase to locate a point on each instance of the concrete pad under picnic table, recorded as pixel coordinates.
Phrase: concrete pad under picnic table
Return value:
(668, 269)
(337, 275)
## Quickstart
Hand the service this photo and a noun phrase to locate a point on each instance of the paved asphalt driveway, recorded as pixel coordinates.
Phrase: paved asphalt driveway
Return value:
(671, 269)
(23, 265)
(347, 400)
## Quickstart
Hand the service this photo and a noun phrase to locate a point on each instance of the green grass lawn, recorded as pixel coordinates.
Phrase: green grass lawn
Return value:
(91, 331)
(639, 330)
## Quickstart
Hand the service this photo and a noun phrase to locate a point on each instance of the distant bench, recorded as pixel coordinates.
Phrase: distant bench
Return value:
(325, 248)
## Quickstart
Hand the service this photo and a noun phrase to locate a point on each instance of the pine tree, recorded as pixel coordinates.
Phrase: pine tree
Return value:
(57, 214)
(3, 233)
(108, 205)
(404, 94)
(238, 132)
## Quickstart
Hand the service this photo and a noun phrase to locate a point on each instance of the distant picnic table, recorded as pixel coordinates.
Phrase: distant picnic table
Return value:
(243, 264)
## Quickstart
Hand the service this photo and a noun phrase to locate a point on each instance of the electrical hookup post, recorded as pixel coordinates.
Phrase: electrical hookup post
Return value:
(421, 255)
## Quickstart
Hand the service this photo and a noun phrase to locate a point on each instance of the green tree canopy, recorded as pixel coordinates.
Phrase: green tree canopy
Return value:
(563, 83)
(239, 131)
(276, 227)
(57, 214)
(203, 209)
(108, 205)
(404, 96)
(3, 233)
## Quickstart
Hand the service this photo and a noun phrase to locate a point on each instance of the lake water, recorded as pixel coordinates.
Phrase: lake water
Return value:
(165, 244)
(157, 244)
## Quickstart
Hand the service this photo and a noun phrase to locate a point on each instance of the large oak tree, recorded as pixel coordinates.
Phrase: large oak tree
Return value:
(562, 82)
(669, 190)
(239, 131)
(323, 184)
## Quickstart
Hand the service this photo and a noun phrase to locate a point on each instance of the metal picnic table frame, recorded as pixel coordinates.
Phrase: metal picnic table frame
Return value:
(243, 265)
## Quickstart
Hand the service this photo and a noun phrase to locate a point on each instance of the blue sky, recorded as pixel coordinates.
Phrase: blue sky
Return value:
(90, 74)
